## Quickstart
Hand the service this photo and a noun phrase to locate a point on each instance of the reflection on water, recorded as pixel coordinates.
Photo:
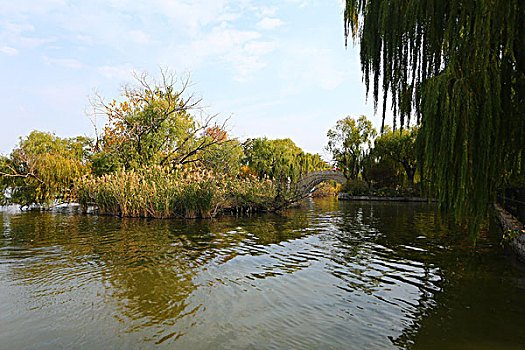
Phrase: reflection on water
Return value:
(327, 275)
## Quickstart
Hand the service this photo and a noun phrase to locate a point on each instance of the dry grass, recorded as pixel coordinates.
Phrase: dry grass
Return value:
(180, 192)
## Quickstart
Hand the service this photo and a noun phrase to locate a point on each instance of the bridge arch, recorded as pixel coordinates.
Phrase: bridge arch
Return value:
(308, 182)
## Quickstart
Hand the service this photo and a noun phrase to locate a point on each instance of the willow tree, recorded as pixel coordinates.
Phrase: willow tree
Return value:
(347, 142)
(458, 67)
(42, 169)
(279, 159)
(399, 146)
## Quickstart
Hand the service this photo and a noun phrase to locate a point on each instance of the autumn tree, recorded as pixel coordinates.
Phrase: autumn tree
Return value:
(41, 170)
(347, 142)
(155, 123)
(459, 67)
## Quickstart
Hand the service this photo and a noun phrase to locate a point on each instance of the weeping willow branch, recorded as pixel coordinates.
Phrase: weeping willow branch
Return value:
(458, 67)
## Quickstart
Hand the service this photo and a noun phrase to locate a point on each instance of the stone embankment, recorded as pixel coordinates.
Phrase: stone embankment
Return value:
(513, 231)
(347, 197)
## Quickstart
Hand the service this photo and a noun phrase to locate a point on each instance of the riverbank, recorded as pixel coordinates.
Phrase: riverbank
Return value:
(347, 197)
(513, 231)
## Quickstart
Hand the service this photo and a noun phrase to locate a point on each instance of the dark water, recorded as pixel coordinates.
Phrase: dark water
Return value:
(330, 275)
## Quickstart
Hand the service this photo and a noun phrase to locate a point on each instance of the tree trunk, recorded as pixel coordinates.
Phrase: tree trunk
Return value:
(410, 175)
(354, 168)
(410, 171)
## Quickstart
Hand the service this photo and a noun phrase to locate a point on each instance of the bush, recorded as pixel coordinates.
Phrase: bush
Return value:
(387, 192)
(356, 188)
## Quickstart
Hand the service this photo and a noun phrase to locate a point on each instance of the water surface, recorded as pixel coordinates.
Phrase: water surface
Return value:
(330, 275)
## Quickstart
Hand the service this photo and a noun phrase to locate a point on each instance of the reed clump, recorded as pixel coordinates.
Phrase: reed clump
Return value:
(161, 192)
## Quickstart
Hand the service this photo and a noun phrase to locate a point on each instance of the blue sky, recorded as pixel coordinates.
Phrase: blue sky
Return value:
(277, 68)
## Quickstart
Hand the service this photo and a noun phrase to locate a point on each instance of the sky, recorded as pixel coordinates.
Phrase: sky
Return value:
(275, 68)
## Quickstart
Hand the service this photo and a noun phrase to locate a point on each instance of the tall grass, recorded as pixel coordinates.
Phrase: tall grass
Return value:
(180, 192)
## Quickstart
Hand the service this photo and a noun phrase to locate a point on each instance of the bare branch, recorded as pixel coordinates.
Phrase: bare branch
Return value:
(28, 175)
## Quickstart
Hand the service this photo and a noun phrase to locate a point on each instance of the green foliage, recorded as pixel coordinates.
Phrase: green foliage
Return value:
(42, 168)
(153, 125)
(105, 162)
(223, 157)
(347, 141)
(460, 67)
(400, 147)
(380, 173)
(279, 159)
(356, 188)
(182, 191)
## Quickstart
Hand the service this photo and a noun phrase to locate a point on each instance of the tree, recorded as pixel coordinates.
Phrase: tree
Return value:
(459, 67)
(346, 142)
(309, 162)
(42, 168)
(379, 171)
(274, 159)
(279, 159)
(154, 125)
(399, 146)
(223, 157)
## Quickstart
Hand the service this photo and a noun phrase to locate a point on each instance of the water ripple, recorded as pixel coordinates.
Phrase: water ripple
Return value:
(326, 276)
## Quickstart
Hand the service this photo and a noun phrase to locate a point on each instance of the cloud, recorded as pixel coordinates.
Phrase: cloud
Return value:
(266, 11)
(139, 37)
(11, 51)
(194, 14)
(85, 39)
(242, 50)
(121, 72)
(40, 7)
(15, 33)
(64, 62)
(33, 43)
(316, 68)
(17, 28)
(302, 3)
(268, 23)
(191, 32)
(259, 48)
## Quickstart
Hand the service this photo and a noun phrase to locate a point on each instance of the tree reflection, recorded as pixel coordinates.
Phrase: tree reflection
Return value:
(150, 265)
(442, 264)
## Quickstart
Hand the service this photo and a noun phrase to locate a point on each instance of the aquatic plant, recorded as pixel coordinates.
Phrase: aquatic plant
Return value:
(181, 191)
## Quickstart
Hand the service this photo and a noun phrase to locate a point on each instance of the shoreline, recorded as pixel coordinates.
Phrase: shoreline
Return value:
(512, 231)
(347, 197)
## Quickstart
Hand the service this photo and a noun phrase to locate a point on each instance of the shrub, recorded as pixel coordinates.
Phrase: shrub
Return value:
(356, 188)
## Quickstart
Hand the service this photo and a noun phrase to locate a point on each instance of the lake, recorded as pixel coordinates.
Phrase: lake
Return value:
(327, 275)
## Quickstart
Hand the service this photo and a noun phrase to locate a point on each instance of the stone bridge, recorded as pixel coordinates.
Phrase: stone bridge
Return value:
(308, 182)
